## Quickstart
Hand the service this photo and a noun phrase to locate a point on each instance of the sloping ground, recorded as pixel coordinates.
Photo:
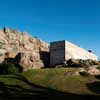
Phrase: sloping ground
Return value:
(48, 84)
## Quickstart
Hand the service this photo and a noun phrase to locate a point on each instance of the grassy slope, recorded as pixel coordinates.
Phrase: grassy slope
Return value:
(56, 79)
(47, 84)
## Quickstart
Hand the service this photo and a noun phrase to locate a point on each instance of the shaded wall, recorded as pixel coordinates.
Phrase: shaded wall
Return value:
(57, 53)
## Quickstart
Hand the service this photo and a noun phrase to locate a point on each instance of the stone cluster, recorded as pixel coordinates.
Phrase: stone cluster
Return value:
(83, 71)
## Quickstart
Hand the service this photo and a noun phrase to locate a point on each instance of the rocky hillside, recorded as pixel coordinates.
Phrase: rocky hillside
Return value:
(30, 52)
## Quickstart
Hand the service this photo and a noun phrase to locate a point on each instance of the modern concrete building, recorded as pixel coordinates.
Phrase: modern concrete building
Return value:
(61, 51)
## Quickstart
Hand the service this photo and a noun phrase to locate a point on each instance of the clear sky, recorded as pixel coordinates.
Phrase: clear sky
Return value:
(77, 21)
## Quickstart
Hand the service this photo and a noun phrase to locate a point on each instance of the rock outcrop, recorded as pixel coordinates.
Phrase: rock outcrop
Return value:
(34, 53)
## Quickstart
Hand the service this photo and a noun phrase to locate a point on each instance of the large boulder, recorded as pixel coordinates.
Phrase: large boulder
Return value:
(90, 70)
(30, 61)
(93, 71)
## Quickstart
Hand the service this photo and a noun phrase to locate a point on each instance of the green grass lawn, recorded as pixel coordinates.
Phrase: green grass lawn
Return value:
(48, 84)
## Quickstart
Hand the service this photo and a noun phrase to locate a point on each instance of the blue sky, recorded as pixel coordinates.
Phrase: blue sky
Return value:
(77, 21)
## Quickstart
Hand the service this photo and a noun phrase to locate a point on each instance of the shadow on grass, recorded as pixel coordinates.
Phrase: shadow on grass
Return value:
(95, 86)
(17, 92)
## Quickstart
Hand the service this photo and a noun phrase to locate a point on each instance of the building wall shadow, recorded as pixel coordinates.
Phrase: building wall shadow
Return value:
(45, 57)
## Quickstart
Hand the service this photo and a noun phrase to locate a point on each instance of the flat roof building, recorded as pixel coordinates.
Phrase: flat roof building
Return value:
(61, 51)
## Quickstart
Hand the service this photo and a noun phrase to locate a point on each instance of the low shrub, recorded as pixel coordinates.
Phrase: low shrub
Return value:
(9, 68)
(81, 63)
(98, 67)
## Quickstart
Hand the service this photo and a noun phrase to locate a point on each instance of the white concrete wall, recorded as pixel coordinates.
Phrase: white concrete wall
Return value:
(75, 52)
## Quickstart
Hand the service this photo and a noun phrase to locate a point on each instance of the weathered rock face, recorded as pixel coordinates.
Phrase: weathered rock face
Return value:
(34, 53)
